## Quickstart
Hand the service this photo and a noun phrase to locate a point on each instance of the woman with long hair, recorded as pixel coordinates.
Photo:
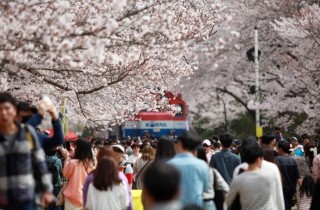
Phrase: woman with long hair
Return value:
(165, 150)
(147, 156)
(107, 191)
(76, 170)
(106, 152)
(201, 153)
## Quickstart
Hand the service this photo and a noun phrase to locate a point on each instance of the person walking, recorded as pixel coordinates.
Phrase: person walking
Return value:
(207, 147)
(107, 191)
(194, 172)
(268, 166)
(22, 162)
(123, 165)
(225, 161)
(76, 170)
(289, 171)
(106, 152)
(136, 154)
(147, 156)
(253, 186)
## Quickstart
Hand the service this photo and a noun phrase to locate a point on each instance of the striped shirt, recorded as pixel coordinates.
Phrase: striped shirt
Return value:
(255, 190)
(22, 168)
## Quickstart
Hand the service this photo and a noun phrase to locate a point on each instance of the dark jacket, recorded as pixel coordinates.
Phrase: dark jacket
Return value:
(48, 143)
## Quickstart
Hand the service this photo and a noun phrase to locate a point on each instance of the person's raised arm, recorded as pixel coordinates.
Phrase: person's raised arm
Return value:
(36, 119)
(57, 138)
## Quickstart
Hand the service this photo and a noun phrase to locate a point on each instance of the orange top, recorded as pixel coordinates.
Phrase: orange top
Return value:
(75, 171)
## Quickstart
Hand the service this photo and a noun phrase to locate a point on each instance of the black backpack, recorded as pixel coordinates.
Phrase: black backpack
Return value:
(55, 173)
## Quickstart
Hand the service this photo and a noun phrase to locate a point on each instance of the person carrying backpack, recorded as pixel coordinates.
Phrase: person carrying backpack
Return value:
(23, 169)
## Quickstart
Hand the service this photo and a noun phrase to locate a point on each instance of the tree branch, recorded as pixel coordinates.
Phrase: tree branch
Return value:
(238, 99)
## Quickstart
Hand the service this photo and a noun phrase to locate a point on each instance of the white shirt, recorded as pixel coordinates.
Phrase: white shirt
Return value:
(277, 193)
(132, 158)
(115, 199)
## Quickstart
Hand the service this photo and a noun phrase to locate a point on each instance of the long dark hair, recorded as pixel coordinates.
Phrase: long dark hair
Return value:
(83, 152)
(309, 154)
(165, 150)
(201, 154)
(106, 174)
(307, 186)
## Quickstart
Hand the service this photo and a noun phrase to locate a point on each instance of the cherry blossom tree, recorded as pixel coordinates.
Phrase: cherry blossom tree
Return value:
(289, 66)
(301, 26)
(110, 58)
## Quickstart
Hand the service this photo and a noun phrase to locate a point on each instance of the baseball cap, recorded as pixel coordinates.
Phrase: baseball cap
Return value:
(118, 146)
(207, 142)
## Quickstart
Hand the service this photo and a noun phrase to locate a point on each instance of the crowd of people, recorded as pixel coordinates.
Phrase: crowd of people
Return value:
(47, 171)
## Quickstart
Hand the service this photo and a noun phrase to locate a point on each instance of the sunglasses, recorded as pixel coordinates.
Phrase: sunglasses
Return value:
(117, 150)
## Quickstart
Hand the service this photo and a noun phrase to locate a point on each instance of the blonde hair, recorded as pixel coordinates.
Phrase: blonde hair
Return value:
(147, 153)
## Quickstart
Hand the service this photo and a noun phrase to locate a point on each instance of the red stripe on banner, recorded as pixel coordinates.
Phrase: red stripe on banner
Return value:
(158, 116)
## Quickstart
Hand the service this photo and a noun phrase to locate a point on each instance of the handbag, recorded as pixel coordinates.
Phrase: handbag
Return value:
(60, 197)
(134, 184)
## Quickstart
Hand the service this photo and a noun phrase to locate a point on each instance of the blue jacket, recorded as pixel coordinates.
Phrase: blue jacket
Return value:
(48, 143)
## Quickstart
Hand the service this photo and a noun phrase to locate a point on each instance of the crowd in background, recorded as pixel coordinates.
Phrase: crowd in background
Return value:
(38, 170)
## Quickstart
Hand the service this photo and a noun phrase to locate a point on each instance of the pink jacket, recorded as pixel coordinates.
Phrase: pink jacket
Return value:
(75, 171)
(316, 168)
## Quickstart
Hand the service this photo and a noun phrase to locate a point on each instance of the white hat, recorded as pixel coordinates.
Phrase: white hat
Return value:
(119, 147)
(207, 142)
